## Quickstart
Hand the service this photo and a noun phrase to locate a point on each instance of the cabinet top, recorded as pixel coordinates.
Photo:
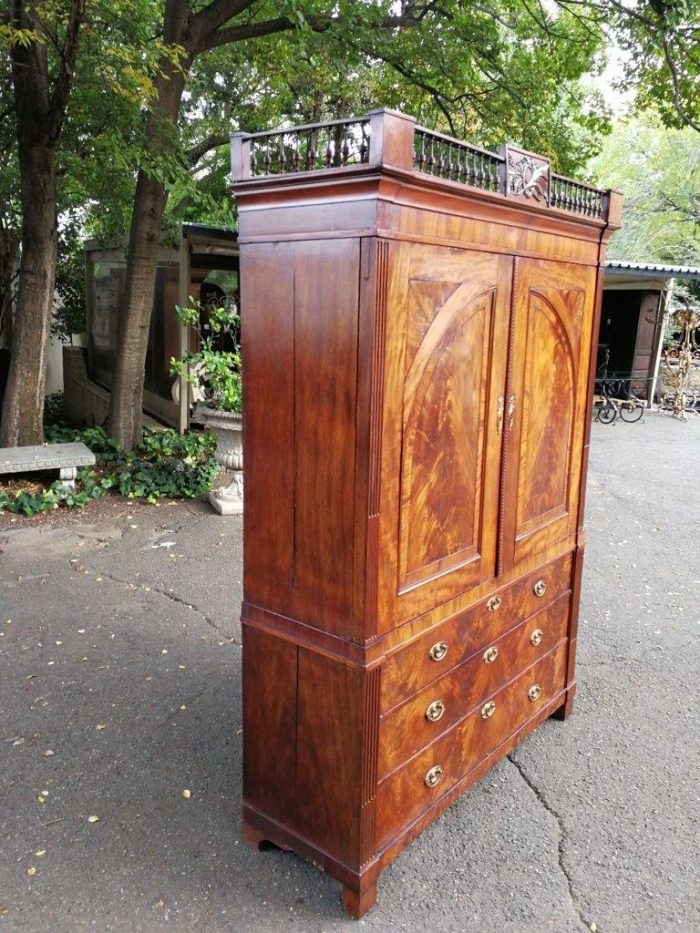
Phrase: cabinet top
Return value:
(386, 139)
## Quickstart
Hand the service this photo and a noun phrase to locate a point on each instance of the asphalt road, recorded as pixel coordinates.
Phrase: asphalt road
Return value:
(120, 689)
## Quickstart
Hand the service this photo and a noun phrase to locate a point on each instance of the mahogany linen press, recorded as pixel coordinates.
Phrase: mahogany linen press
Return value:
(420, 317)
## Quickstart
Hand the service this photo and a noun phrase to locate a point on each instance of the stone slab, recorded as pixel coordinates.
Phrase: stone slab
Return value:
(44, 457)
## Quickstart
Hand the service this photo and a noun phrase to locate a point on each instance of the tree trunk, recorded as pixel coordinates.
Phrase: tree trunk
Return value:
(23, 405)
(9, 253)
(40, 111)
(126, 400)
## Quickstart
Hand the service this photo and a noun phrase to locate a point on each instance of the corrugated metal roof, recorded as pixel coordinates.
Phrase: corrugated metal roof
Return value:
(653, 269)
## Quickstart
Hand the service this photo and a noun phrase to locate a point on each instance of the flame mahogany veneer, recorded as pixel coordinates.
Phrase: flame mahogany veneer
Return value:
(418, 369)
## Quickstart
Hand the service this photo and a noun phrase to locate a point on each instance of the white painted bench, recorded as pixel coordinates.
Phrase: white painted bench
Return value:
(66, 458)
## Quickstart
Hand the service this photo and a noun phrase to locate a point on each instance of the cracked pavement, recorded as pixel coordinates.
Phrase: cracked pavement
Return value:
(120, 655)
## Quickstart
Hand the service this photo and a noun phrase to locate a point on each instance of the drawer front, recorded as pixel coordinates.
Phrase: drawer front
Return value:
(449, 644)
(433, 710)
(404, 795)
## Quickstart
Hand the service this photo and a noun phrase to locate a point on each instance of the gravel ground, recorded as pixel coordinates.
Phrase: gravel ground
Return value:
(120, 689)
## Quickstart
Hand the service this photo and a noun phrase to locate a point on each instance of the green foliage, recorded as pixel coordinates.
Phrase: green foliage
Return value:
(88, 486)
(69, 312)
(213, 368)
(661, 42)
(53, 409)
(658, 171)
(168, 465)
(164, 465)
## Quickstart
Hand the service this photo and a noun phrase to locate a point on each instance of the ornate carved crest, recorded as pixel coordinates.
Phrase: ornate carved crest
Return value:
(527, 175)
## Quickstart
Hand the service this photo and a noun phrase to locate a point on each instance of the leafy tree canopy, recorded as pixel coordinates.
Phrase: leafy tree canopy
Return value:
(658, 170)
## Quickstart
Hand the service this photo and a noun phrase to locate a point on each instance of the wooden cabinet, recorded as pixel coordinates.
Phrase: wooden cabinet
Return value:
(418, 324)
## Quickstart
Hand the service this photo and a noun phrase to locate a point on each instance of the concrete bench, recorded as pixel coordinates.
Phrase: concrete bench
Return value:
(66, 458)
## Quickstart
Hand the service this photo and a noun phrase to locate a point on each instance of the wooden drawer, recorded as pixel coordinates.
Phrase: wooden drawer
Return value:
(404, 795)
(449, 644)
(430, 712)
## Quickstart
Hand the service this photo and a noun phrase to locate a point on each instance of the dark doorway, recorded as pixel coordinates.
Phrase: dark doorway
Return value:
(618, 331)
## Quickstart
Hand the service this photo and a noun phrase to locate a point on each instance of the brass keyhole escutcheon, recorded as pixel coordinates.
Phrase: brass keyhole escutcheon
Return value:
(438, 651)
(434, 776)
(511, 412)
(491, 654)
(435, 711)
(488, 710)
(536, 637)
(540, 588)
(534, 693)
(493, 604)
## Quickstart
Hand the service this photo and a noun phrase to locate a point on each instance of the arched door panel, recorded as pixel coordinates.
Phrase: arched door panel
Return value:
(446, 365)
(546, 392)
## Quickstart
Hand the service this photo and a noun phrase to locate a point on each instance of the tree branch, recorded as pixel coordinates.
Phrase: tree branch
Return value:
(318, 24)
(64, 79)
(195, 153)
(216, 14)
(249, 31)
(677, 103)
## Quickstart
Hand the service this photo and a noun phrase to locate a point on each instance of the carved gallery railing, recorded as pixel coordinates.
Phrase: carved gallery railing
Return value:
(453, 160)
(308, 148)
(386, 138)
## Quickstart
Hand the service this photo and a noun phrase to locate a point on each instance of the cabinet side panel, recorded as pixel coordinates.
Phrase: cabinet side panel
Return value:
(269, 723)
(325, 364)
(330, 756)
(267, 288)
(300, 335)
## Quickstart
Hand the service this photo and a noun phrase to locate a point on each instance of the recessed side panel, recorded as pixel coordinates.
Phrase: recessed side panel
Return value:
(267, 289)
(300, 348)
(269, 723)
(326, 290)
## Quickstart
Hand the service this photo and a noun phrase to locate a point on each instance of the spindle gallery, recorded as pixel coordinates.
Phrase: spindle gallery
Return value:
(419, 318)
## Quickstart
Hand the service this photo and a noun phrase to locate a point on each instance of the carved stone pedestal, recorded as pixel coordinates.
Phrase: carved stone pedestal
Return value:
(228, 500)
(228, 427)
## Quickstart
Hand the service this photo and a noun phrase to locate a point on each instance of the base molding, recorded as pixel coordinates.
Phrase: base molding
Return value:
(360, 884)
(567, 707)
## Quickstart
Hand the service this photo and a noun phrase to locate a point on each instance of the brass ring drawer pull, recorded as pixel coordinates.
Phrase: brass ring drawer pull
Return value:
(536, 637)
(438, 651)
(534, 693)
(435, 711)
(494, 603)
(491, 654)
(540, 588)
(488, 710)
(434, 776)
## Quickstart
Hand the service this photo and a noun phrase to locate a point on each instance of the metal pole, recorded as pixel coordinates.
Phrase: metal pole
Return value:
(184, 288)
(661, 325)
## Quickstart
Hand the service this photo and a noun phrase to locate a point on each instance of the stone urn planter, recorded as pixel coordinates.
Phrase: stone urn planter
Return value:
(228, 427)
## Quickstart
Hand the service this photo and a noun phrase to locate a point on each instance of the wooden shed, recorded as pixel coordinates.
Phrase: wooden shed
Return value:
(204, 257)
(635, 299)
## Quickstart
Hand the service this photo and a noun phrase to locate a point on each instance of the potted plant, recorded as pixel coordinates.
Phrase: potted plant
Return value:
(214, 372)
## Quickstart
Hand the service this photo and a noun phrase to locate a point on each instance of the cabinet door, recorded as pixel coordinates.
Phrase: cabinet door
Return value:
(545, 405)
(447, 328)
